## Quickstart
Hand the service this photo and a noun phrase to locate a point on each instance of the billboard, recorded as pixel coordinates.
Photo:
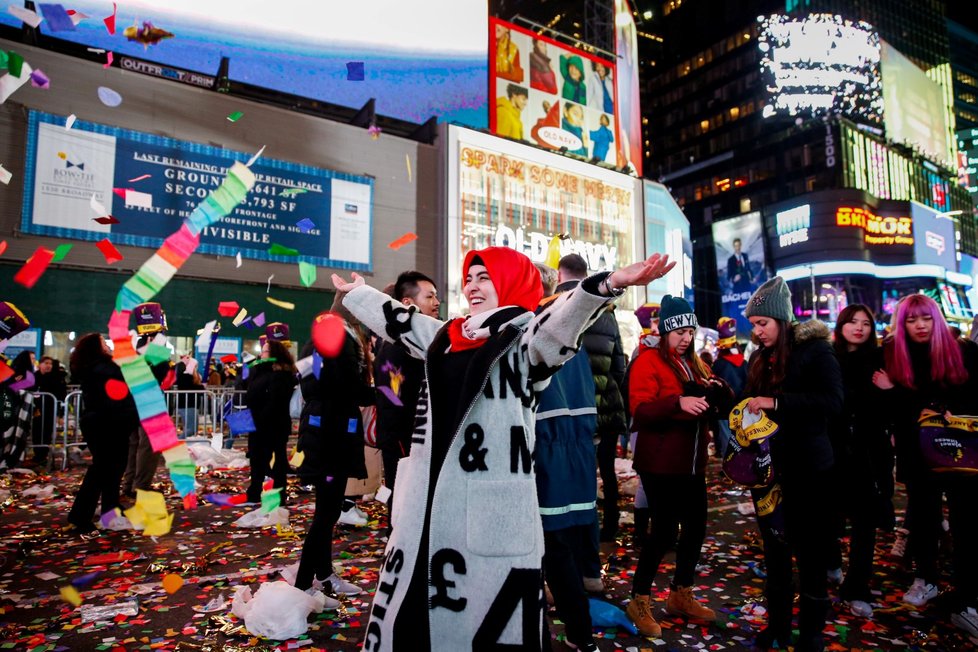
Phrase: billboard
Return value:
(913, 105)
(553, 96)
(667, 232)
(626, 78)
(934, 237)
(93, 182)
(819, 65)
(506, 194)
(741, 268)
(304, 48)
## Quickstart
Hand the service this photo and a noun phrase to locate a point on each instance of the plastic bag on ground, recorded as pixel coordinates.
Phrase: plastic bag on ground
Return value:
(37, 491)
(604, 614)
(241, 601)
(278, 611)
(204, 455)
(278, 516)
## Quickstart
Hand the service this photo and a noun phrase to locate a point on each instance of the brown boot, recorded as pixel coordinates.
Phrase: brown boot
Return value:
(682, 603)
(639, 610)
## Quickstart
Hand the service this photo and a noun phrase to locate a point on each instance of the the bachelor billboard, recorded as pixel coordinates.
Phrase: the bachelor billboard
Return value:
(741, 269)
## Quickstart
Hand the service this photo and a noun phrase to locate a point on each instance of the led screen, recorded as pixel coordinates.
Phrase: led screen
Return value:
(629, 107)
(913, 106)
(411, 66)
(505, 194)
(550, 95)
(820, 65)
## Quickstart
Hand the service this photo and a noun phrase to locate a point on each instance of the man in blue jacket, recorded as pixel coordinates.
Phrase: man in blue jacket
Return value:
(564, 455)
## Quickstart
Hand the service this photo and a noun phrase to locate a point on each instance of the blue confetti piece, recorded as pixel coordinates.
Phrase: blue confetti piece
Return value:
(354, 71)
(305, 225)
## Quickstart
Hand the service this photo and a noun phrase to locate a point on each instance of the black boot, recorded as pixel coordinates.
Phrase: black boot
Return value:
(778, 630)
(811, 623)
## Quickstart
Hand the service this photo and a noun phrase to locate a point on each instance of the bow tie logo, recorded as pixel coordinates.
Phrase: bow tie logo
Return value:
(69, 165)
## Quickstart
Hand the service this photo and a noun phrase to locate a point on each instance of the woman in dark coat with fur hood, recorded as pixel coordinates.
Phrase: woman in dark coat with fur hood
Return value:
(795, 378)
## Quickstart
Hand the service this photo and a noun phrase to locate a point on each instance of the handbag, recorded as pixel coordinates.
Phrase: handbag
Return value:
(748, 457)
(949, 445)
(296, 403)
(240, 422)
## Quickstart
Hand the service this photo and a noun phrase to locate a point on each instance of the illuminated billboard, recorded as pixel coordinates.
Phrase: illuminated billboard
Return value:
(913, 106)
(741, 268)
(506, 194)
(303, 47)
(626, 78)
(555, 97)
(667, 232)
(819, 65)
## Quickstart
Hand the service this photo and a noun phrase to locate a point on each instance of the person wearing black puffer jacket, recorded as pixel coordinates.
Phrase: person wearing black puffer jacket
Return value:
(107, 424)
(331, 442)
(795, 378)
(602, 342)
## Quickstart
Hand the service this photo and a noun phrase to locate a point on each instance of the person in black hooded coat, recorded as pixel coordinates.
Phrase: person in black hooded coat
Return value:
(106, 425)
(269, 391)
(331, 441)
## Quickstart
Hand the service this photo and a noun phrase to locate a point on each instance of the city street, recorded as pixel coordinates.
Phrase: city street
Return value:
(213, 557)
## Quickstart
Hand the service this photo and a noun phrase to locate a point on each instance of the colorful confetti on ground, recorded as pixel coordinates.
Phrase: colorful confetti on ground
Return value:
(173, 593)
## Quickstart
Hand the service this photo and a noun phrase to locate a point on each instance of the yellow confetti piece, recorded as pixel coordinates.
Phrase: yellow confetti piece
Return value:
(407, 159)
(271, 462)
(62, 155)
(281, 304)
(70, 595)
(297, 458)
(241, 317)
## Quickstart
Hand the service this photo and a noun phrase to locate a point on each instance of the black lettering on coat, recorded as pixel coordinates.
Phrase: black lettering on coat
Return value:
(518, 450)
(442, 558)
(472, 457)
(521, 585)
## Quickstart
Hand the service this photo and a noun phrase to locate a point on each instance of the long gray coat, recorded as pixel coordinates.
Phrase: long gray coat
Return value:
(485, 541)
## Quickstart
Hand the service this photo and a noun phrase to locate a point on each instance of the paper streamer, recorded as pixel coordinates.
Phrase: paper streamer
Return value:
(151, 277)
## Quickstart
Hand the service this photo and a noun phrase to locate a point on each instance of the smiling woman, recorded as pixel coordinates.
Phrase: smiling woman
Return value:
(466, 520)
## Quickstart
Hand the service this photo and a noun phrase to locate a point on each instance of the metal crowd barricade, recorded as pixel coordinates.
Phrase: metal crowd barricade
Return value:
(194, 412)
(47, 409)
(72, 436)
(226, 399)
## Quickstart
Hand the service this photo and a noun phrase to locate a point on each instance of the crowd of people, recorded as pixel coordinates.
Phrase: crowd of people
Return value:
(493, 427)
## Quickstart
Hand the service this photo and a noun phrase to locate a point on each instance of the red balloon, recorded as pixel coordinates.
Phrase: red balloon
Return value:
(328, 333)
(116, 389)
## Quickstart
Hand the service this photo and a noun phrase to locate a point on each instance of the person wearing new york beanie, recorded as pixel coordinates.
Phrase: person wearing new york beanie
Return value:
(667, 391)
(795, 378)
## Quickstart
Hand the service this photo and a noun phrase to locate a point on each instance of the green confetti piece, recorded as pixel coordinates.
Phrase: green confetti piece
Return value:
(235, 116)
(61, 251)
(307, 273)
(271, 500)
(279, 250)
(15, 63)
(156, 353)
(292, 192)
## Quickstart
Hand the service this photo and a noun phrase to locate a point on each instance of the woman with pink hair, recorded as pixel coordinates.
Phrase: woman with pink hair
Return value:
(926, 367)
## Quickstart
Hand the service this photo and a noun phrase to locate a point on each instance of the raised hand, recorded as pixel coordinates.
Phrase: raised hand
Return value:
(346, 286)
(643, 272)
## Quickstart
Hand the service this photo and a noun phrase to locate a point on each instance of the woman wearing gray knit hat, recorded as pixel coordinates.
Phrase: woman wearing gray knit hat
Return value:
(795, 378)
